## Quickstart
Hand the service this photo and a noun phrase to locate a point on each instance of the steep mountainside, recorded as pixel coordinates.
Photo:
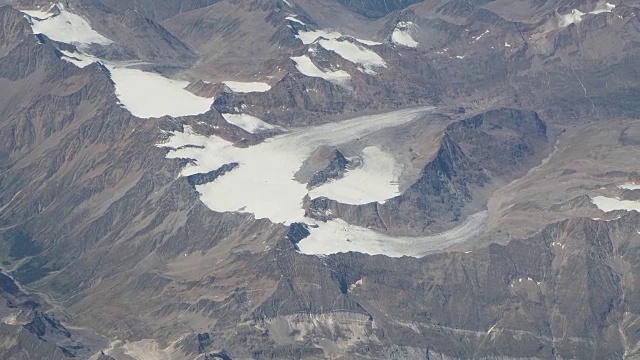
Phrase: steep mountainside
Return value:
(297, 179)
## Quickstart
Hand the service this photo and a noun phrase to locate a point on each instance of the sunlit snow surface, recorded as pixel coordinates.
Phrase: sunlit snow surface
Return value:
(264, 183)
(376, 180)
(148, 95)
(630, 186)
(366, 59)
(144, 94)
(308, 37)
(607, 204)
(575, 16)
(249, 123)
(308, 68)
(603, 8)
(247, 87)
(401, 35)
(337, 236)
(65, 27)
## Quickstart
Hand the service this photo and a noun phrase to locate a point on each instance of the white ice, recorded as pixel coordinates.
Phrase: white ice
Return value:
(402, 35)
(630, 186)
(249, 123)
(367, 60)
(607, 204)
(376, 180)
(308, 68)
(337, 236)
(66, 27)
(264, 183)
(247, 87)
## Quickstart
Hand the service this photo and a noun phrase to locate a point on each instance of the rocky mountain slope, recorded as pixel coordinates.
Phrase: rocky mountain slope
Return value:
(296, 179)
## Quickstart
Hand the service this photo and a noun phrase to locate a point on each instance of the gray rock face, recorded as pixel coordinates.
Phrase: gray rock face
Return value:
(335, 170)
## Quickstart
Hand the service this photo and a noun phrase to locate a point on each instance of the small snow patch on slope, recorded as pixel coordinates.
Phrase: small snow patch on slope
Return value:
(375, 181)
(603, 8)
(366, 59)
(402, 36)
(630, 186)
(308, 37)
(247, 87)
(308, 68)
(249, 123)
(294, 19)
(66, 27)
(572, 18)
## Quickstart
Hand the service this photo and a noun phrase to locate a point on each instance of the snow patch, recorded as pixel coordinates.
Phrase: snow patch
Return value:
(365, 58)
(294, 19)
(150, 95)
(308, 37)
(249, 123)
(603, 8)
(308, 68)
(572, 18)
(65, 27)
(607, 204)
(630, 186)
(247, 87)
(402, 35)
(376, 180)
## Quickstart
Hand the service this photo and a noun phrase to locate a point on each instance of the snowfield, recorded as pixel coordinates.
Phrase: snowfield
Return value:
(65, 27)
(264, 183)
(247, 87)
(377, 180)
(607, 204)
(366, 59)
(145, 94)
(249, 123)
(402, 35)
(630, 186)
(308, 37)
(150, 95)
(308, 68)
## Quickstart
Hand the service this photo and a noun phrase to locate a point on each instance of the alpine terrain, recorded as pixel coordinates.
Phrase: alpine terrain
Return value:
(319, 179)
